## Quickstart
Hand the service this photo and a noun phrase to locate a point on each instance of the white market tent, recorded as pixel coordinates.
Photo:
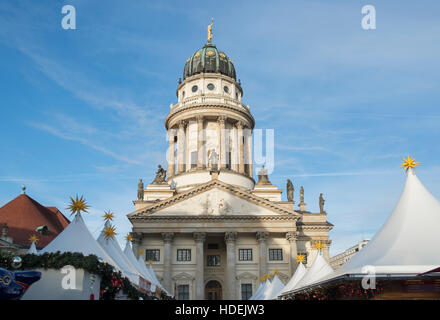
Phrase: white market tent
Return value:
(297, 276)
(407, 244)
(128, 251)
(260, 294)
(272, 291)
(408, 241)
(257, 292)
(32, 249)
(76, 237)
(111, 246)
(319, 269)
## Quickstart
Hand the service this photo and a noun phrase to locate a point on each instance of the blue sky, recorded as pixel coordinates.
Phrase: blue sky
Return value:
(82, 111)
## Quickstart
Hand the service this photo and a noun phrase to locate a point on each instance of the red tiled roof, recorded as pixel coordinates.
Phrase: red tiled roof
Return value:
(23, 215)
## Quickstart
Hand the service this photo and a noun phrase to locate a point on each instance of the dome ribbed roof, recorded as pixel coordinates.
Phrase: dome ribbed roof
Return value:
(209, 59)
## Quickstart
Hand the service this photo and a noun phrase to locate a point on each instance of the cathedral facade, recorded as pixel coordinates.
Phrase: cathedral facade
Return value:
(209, 227)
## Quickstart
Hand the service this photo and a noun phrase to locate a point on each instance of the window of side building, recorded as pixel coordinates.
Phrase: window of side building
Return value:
(183, 254)
(246, 291)
(152, 254)
(245, 254)
(275, 254)
(183, 292)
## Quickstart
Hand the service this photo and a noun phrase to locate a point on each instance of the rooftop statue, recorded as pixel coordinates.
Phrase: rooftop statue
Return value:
(140, 190)
(210, 30)
(321, 203)
(290, 190)
(301, 195)
(160, 175)
(262, 176)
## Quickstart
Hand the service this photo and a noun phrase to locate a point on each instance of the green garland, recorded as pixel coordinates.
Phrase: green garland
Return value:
(89, 263)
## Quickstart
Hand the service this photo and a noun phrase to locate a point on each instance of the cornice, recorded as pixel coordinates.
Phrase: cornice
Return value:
(207, 105)
(153, 218)
(245, 195)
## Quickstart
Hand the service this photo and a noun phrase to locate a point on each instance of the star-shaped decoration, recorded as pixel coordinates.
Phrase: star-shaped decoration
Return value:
(275, 271)
(77, 205)
(140, 251)
(267, 276)
(129, 237)
(34, 238)
(150, 261)
(409, 162)
(300, 258)
(108, 216)
(319, 245)
(109, 232)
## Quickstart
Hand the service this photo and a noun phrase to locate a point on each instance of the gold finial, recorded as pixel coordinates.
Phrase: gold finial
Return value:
(150, 261)
(210, 30)
(77, 205)
(140, 251)
(261, 279)
(129, 237)
(319, 245)
(275, 272)
(300, 258)
(109, 232)
(267, 276)
(108, 216)
(23, 189)
(34, 238)
(409, 163)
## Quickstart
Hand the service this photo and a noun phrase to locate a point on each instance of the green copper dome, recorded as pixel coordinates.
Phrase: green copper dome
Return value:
(209, 59)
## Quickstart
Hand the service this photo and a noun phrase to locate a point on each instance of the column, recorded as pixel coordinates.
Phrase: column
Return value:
(200, 157)
(249, 151)
(181, 147)
(222, 144)
(171, 154)
(292, 237)
(240, 147)
(234, 149)
(262, 252)
(167, 259)
(230, 238)
(199, 238)
(136, 243)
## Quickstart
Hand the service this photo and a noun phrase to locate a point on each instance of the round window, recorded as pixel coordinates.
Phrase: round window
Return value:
(226, 88)
(194, 88)
(210, 86)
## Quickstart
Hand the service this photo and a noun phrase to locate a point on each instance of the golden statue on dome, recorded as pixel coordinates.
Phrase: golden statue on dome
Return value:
(210, 30)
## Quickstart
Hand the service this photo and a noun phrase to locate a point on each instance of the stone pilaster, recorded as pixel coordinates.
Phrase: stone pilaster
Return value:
(181, 147)
(249, 159)
(200, 153)
(240, 147)
(292, 237)
(136, 243)
(171, 154)
(222, 145)
(199, 238)
(230, 239)
(262, 252)
(167, 259)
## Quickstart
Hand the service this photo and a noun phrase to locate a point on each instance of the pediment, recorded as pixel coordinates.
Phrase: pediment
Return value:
(214, 198)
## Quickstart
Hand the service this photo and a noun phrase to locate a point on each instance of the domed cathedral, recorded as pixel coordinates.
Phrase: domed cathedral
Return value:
(208, 228)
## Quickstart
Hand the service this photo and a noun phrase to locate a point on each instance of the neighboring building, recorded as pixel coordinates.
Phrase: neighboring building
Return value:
(340, 259)
(208, 228)
(23, 217)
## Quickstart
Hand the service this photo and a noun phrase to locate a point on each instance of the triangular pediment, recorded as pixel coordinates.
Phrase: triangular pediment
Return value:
(214, 198)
